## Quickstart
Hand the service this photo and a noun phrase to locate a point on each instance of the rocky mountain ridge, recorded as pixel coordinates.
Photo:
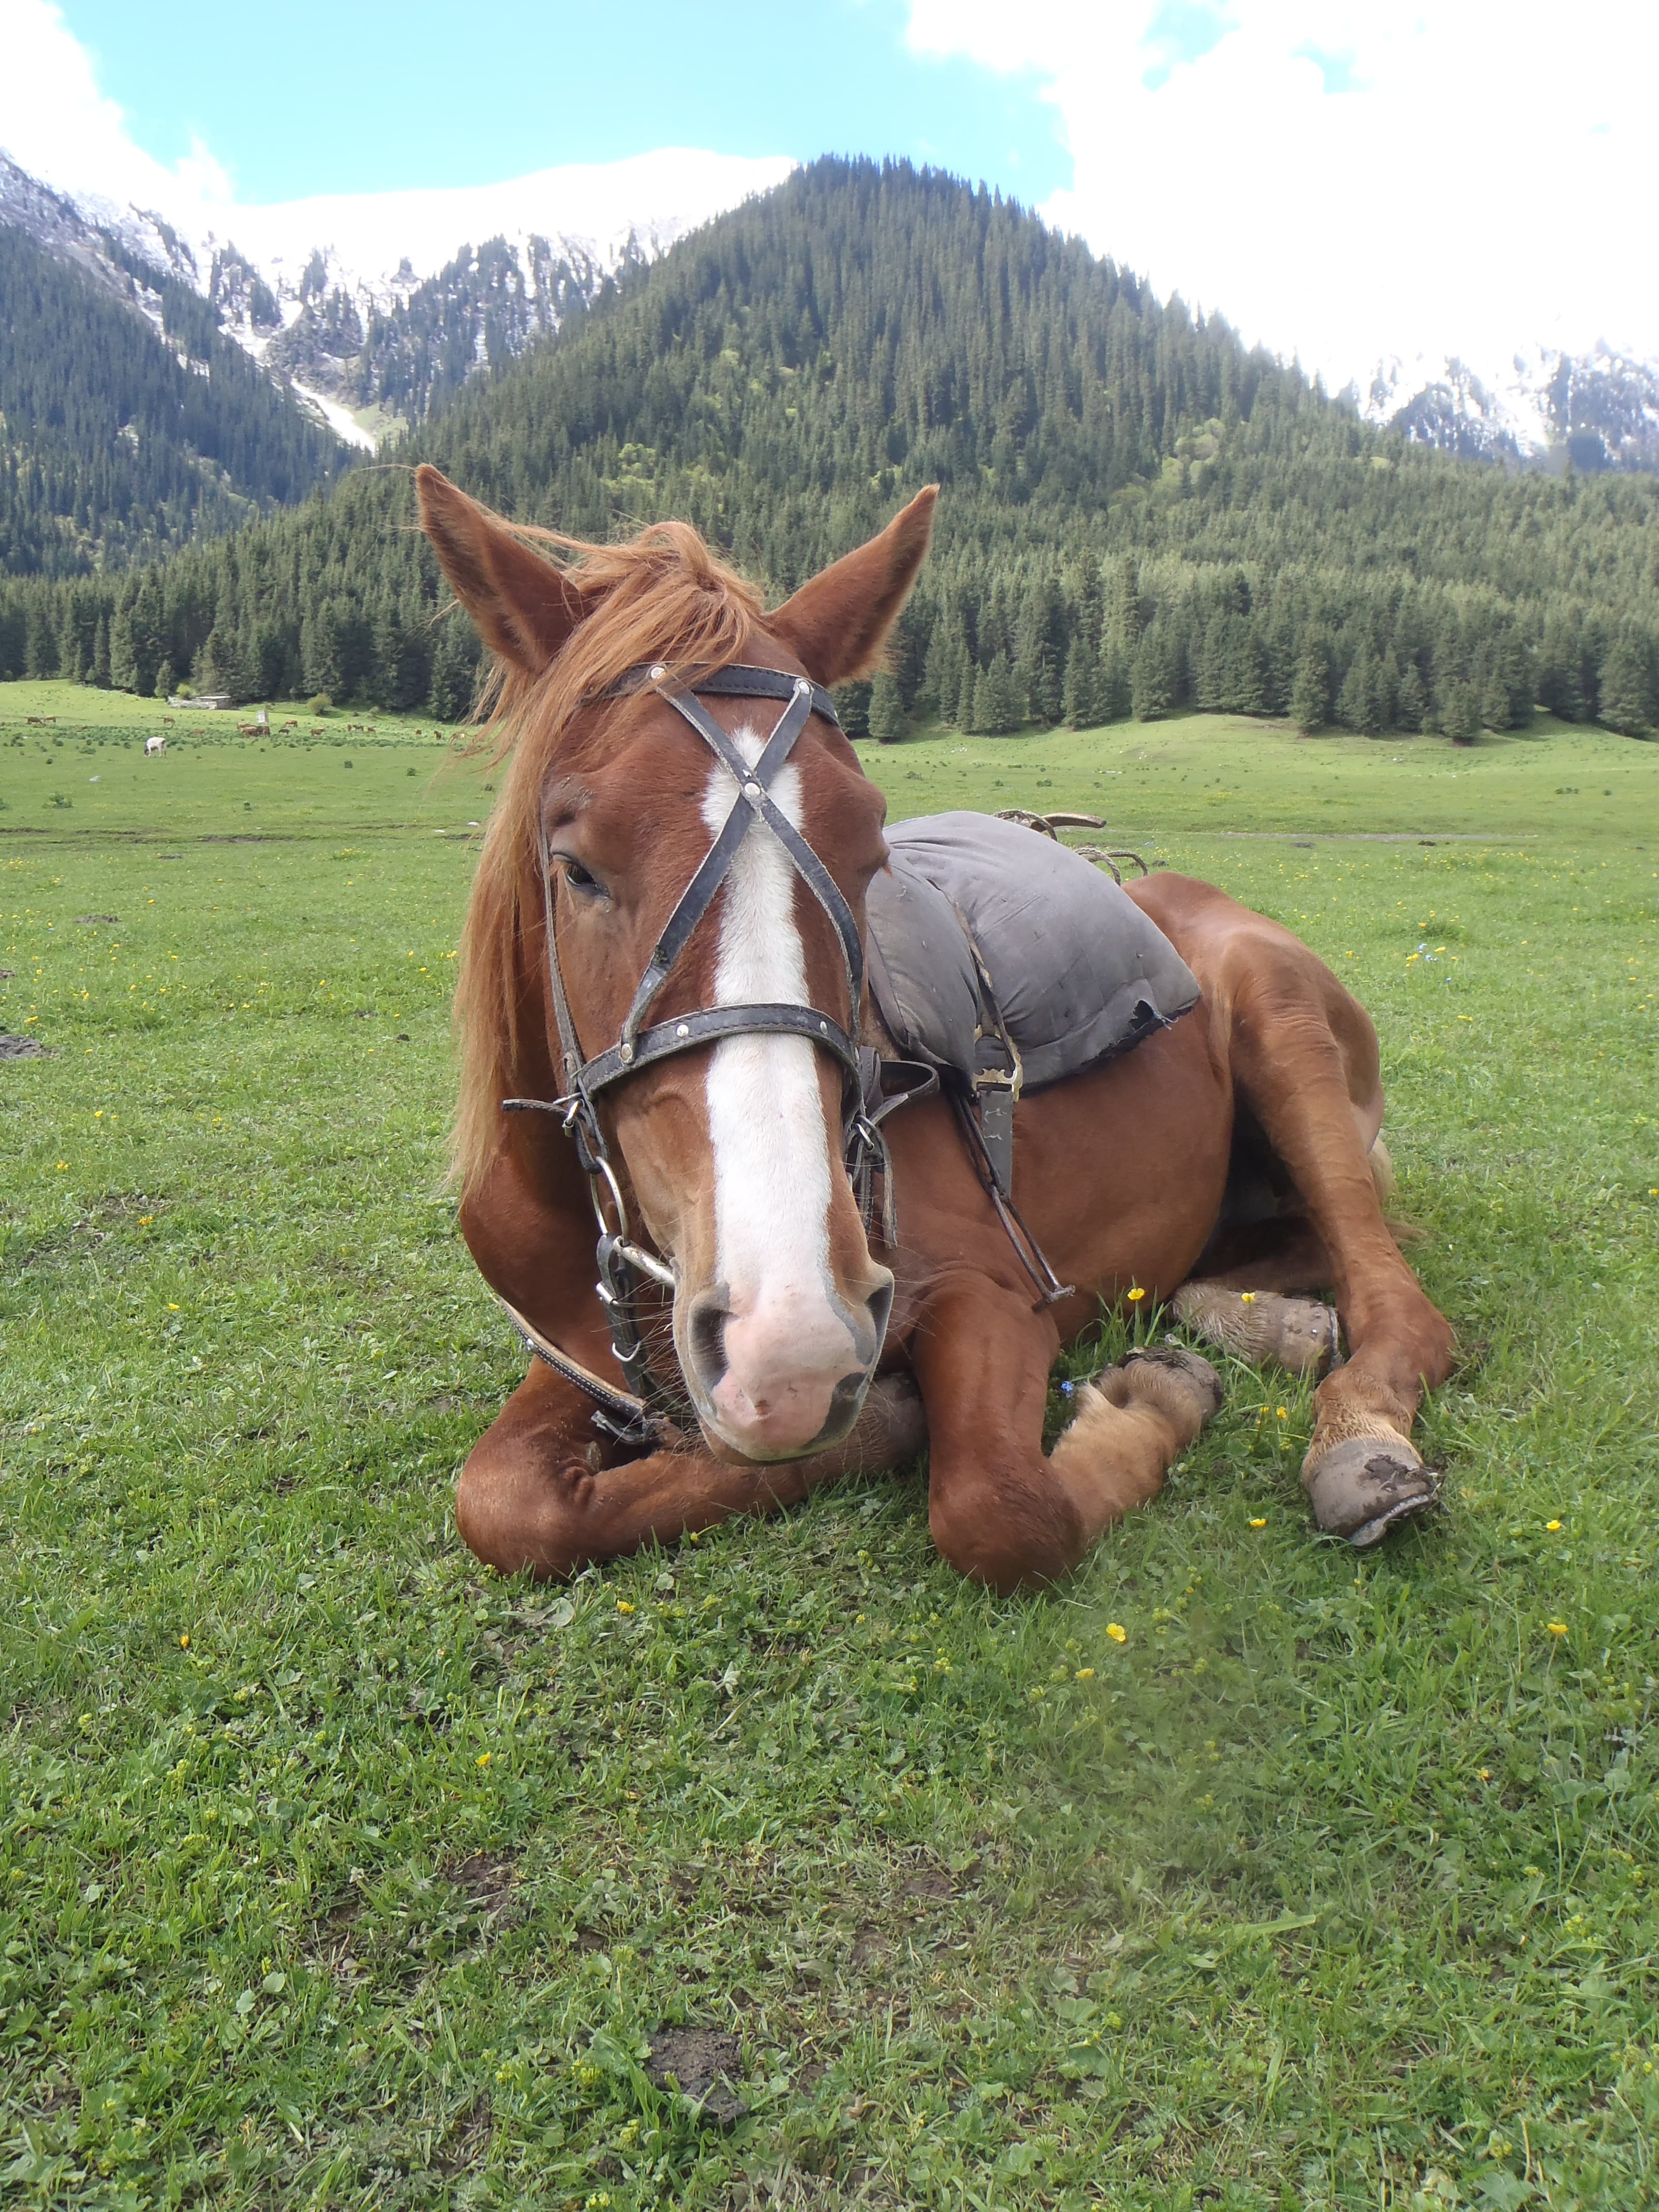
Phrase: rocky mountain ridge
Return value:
(377, 305)
(1544, 408)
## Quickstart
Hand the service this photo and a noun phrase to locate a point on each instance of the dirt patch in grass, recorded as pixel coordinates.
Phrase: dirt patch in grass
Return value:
(702, 2063)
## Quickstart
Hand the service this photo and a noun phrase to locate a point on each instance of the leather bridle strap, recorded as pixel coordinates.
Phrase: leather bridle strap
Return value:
(753, 803)
(641, 1045)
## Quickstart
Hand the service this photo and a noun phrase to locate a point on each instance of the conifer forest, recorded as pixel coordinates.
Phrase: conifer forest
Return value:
(1139, 514)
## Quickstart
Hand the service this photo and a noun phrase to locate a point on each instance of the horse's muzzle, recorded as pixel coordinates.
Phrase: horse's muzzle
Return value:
(788, 1379)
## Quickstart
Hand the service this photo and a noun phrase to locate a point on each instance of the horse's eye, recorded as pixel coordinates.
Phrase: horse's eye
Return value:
(578, 877)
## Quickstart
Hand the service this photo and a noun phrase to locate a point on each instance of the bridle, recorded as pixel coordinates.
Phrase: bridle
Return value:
(642, 1413)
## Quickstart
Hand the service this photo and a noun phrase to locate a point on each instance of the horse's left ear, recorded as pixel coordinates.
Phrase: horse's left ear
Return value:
(524, 608)
(838, 623)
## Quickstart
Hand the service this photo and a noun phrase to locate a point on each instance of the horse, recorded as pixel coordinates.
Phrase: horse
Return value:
(156, 743)
(647, 706)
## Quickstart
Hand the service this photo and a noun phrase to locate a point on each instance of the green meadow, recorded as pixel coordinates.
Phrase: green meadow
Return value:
(1241, 1871)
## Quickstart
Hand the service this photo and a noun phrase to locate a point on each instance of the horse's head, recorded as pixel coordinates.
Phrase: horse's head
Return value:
(734, 1148)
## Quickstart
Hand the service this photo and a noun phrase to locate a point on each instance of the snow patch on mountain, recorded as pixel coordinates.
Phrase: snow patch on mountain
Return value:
(1597, 407)
(376, 246)
(306, 285)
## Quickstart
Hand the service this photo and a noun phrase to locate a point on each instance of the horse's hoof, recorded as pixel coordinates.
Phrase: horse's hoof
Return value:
(1301, 1333)
(1195, 1375)
(1360, 1487)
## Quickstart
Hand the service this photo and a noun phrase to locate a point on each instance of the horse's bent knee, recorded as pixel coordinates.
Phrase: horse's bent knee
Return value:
(516, 1517)
(1009, 1535)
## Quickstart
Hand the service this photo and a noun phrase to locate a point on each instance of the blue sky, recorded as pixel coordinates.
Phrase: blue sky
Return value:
(324, 96)
(1344, 180)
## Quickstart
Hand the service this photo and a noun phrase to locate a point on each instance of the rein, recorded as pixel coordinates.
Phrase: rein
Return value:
(644, 1413)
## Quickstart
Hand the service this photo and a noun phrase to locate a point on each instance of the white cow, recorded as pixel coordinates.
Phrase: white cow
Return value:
(154, 745)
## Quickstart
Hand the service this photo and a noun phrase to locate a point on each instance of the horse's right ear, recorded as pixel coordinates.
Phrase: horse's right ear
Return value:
(524, 610)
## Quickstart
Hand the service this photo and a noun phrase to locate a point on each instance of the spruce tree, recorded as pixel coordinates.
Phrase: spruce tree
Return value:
(1080, 703)
(1627, 700)
(1413, 699)
(1460, 717)
(1311, 697)
(1152, 687)
(886, 710)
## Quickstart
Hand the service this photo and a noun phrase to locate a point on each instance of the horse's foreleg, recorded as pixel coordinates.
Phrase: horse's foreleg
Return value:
(1300, 1073)
(539, 1492)
(1000, 1511)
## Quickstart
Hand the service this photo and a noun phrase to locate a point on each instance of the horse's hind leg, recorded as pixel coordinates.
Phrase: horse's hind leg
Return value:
(1259, 1289)
(1304, 1060)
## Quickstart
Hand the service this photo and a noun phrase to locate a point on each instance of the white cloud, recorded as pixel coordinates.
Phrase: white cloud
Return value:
(56, 124)
(1351, 177)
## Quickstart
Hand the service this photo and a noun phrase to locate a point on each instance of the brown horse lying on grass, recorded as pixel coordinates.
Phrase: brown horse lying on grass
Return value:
(802, 1354)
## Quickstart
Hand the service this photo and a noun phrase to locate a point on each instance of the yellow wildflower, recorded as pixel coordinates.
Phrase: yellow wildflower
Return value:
(1136, 1296)
(1556, 1627)
(483, 1759)
(623, 1606)
(184, 1643)
(1258, 1524)
(1283, 1415)
(1085, 1673)
(1117, 1632)
(1552, 1527)
(1247, 1298)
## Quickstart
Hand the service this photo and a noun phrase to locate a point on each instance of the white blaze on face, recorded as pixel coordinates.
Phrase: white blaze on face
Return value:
(786, 1339)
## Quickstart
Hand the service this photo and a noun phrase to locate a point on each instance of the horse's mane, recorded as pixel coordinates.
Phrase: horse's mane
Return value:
(661, 597)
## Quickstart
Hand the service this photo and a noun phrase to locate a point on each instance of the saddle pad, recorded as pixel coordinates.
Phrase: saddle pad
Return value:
(1080, 972)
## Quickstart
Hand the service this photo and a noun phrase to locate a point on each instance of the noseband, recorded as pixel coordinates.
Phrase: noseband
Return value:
(640, 1414)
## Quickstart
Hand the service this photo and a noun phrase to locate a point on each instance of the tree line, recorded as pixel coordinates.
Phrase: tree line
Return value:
(1139, 514)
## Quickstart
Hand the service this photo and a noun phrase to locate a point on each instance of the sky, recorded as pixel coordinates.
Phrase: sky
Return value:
(1344, 179)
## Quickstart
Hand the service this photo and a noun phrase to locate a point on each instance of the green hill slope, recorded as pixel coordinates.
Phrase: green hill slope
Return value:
(120, 442)
(1139, 512)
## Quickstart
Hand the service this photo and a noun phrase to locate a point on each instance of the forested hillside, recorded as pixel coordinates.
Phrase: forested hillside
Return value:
(1137, 512)
(120, 442)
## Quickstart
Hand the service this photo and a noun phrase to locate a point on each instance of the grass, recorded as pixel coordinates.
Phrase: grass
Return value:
(334, 1871)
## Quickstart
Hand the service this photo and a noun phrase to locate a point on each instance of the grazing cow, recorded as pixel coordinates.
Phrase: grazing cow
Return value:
(290, 726)
(153, 745)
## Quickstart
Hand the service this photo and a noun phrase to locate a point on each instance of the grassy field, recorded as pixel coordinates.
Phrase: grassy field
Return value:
(336, 1872)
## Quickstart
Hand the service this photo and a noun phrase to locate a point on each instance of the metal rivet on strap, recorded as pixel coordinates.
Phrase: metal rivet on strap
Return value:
(803, 684)
(824, 1029)
(624, 1052)
(657, 672)
(683, 1030)
(751, 790)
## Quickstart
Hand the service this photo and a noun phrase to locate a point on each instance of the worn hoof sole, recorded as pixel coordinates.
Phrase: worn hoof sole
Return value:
(1361, 1487)
(1302, 1335)
(1176, 1361)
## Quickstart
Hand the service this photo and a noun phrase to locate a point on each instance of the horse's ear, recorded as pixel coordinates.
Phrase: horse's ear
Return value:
(838, 623)
(524, 610)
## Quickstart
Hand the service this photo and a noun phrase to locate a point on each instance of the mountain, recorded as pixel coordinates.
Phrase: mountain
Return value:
(376, 305)
(1543, 409)
(159, 380)
(129, 423)
(1139, 512)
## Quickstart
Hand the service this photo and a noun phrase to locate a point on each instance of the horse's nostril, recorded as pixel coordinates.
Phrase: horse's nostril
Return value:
(880, 1305)
(707, 1333)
